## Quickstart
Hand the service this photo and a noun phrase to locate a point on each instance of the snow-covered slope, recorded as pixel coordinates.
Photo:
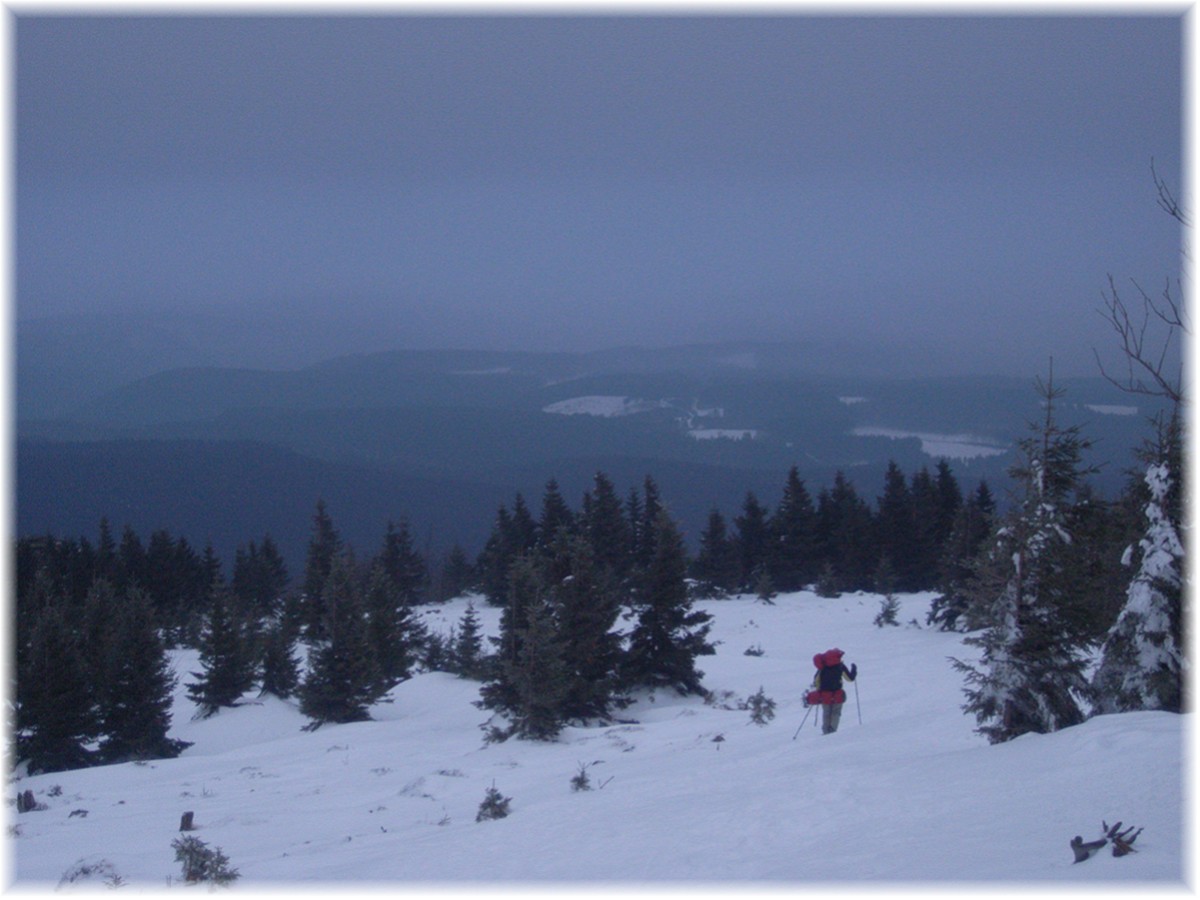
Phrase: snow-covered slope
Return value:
(686, 791)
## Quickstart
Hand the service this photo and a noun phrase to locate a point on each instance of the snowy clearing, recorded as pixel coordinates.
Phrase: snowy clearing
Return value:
(949, 446)
(684, 791)
(606, 406)
(1110, 410)
(723, 434)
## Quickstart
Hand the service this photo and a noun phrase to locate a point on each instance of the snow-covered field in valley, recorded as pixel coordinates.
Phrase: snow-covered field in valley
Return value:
(904, 794)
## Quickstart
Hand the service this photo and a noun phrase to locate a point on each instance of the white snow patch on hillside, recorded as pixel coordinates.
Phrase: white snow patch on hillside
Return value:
(602, 405)
(905, 793)
(729, 434)
(1111, 410)
(949, 446)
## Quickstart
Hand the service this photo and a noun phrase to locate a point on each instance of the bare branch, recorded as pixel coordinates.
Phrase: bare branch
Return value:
(1167, 200)
(1147, 362)
(1146, 366)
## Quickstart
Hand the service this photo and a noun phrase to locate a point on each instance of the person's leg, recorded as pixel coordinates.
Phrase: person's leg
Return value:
(833, 717)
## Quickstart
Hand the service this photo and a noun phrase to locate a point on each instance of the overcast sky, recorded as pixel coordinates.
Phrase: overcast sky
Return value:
(960, 185)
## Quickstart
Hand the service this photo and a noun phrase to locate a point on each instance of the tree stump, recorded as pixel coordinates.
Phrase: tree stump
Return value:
(1086, 850)
(185, 823)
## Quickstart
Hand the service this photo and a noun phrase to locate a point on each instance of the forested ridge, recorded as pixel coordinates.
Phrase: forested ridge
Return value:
(597, 602)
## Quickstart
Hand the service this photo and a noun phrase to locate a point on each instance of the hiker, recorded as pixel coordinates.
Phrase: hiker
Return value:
(827, 686)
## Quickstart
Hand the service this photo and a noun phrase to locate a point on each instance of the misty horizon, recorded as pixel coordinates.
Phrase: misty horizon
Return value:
(951, 189)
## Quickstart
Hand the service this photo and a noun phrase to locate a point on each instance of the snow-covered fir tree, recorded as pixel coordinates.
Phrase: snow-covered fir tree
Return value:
(1142, 662)
(1031, 674)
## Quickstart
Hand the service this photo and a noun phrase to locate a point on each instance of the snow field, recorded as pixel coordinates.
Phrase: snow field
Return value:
(909, 796)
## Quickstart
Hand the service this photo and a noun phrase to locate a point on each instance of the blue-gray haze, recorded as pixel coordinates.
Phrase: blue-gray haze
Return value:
(957, 187)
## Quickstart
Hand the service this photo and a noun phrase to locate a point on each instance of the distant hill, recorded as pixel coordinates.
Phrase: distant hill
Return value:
(442, 438)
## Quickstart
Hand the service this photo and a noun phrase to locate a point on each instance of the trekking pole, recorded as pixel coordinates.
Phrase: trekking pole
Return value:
(856, 703)
(802, 721)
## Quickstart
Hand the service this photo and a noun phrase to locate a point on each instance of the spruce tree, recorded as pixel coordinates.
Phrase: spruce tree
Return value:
(633, 513)
(403, 565)
(227, 656)
(394, 633)
(949, 500)
(523, 527)
(587, 604)
(324, 547)
(792, 528)
(972, 525)
(163, 578)
(538, 677)
(669, 633)
(845, 538)
(195, 587)
(131, 560)
(526, 588)
(715, 567)
(1030, 677)
(496, 559)
(529, 674)
(458, 575)
(603, 523)
(58, 713)
(259, 578)
(896, 525)
(1142, 662)
(36, 592)
(343, 679)
(930, 528)
(752, 541)
(644, 524)
(280, 669)
(107, 565)
(96, 631)
(135, 707)
(556, 515)
(467, 657)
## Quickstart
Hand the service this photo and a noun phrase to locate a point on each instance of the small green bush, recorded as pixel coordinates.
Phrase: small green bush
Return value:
(494, 805)
(202, 863)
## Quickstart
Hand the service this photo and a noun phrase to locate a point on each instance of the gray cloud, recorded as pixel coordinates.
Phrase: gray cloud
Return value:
(587, 181)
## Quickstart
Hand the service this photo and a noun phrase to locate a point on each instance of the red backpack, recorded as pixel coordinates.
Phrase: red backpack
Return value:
(829, 658)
